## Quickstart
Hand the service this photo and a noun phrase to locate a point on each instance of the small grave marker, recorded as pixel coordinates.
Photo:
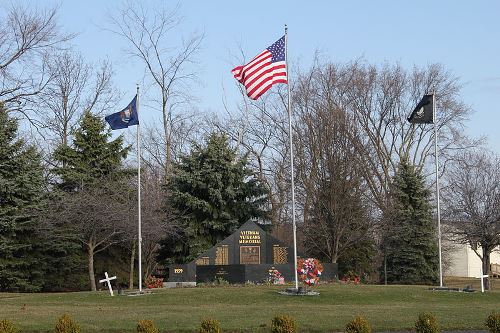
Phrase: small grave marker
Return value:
(108, 281)
(482, 276)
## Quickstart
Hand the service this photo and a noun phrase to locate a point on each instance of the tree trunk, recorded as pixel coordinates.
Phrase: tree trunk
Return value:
(335, 257)
(167, 134)
(486, 267)
(385, 269)
(91, 268)
(132, 261)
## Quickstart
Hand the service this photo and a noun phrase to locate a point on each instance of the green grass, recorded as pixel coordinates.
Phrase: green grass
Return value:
(251, 308)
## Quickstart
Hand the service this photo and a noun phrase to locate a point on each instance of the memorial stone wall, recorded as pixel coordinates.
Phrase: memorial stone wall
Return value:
(246, 255)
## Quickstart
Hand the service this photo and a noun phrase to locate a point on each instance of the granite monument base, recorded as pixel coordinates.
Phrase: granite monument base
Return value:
(254, 273)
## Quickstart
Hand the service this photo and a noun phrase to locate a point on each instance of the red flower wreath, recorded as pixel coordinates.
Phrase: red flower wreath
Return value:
(309, 270)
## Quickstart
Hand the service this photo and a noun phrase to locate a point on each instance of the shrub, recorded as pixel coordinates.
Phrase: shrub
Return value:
(6, 326)
(427, 323)
(210, 326)
(146, 326)
(493, 322)
(283, 324)
(66, 324)
(154, 282)
(358, 325)
(221, 281)
(351, 277)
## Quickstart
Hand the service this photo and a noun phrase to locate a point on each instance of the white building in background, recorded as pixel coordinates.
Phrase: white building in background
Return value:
(462, 261)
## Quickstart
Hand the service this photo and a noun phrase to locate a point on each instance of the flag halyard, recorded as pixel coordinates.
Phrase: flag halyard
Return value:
(266, 69)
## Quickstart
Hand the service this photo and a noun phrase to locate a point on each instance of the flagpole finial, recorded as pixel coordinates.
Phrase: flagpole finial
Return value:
(286, 28)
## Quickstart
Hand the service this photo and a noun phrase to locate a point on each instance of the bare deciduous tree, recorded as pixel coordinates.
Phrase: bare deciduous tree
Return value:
(150, 34)
(185, 129)
(378, 100)
(155, 223)
(97, 216)
(472, 203)
(334, 210)
(381, 98)
(28, 38)
(74, 89)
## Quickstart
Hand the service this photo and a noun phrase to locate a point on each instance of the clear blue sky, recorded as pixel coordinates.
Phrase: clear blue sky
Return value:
(462, 35)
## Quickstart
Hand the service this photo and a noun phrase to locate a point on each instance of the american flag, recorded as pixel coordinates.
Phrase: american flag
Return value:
(266, 69)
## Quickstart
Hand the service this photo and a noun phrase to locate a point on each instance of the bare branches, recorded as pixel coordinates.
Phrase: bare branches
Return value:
(326, 141)
(472, 203)
(379, 100)
(185, 129)
(472, 198)
(74, 89)
(27, 38)
(149, 34)
(97, 217)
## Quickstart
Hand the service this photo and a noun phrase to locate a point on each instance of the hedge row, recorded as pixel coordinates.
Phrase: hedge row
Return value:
(426, 323)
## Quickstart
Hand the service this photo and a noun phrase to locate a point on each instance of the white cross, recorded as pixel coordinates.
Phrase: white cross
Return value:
(482, 276)
(108, 281)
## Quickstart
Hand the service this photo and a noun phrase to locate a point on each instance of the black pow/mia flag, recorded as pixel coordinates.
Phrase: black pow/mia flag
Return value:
(423, 112)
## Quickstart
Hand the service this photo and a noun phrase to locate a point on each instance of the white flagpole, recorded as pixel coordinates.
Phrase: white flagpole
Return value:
(139, 190)
(291, 162)
(437, 187)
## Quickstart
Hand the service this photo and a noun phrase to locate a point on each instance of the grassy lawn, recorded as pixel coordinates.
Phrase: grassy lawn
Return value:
(250, 308)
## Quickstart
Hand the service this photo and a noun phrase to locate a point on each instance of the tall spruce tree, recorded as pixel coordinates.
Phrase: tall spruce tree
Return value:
(410, 239)
(212, 193)
(91, 157)
(92, 207)
(22, 187)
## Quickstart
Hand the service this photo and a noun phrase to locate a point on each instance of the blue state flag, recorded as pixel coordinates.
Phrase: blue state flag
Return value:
(124, 118)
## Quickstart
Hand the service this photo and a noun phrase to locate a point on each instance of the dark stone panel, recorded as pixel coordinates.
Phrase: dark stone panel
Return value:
(230, 273)
(255, 273)
(260, 273)
(330, 272)
(182, 273)
(178, 273)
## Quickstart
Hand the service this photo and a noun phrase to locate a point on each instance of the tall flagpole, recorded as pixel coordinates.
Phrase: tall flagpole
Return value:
(139, 190)
(291, 162)
(437, 187)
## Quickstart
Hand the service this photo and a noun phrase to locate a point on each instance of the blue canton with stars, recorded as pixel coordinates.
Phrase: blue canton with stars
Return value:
(278, 50)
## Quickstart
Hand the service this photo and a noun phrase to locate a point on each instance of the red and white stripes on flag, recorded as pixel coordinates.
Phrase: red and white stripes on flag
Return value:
(266, 69)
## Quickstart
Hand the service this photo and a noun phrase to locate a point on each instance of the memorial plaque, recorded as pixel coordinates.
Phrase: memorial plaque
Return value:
(221, 273)
(249, 255)
(249, 237)
(203, 261)
(280, 254)
(221, 255)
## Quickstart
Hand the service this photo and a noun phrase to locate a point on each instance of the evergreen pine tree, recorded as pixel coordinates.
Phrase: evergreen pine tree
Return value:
(89, 172)
(22, 188)
(212, 193)
(91, 156)
(410, 238)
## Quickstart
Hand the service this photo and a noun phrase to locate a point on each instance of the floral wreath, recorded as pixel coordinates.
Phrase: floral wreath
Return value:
(274, 275)
(309, 270)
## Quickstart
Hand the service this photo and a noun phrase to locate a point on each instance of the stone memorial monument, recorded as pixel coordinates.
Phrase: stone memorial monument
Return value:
(249, 254)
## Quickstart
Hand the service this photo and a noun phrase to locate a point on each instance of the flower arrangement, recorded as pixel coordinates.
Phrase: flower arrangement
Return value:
(154, 282)
(276, 277)
(351, 277)
(309, 270)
